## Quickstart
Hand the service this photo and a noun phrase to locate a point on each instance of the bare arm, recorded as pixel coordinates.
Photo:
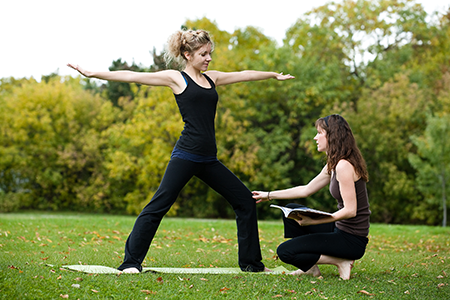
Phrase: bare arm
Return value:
(302, 191)
(169, 78)
(224, 78)
(346, 177)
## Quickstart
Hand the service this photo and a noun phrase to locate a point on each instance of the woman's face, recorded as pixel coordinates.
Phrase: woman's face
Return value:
(321, 140)
(201, 58)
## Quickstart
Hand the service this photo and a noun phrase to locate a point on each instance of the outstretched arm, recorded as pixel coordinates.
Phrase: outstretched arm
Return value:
(224, 78)
(168, 78)
(301, 191)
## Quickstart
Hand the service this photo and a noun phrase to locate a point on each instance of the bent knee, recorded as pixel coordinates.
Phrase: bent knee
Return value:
(284, 253)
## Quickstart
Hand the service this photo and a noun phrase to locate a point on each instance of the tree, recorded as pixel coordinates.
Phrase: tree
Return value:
(52, 141)
(432, 163)
(116, 90)
(383, 123)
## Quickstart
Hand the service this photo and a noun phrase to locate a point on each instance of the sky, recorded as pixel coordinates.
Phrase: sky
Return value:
(41, 37)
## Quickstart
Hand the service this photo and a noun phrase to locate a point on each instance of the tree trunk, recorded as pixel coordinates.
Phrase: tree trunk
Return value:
(444, 200)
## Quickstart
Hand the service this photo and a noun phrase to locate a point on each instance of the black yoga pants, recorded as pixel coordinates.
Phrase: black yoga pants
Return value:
(223, 181)
(308, 243)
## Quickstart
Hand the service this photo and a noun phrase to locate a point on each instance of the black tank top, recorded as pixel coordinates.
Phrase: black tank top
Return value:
(197, 106)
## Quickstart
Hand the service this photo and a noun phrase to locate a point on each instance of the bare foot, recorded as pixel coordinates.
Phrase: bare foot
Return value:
(344, 265)
(345, 268)
(298, 272)
(130, 271)
(267, 269)
(314, 271)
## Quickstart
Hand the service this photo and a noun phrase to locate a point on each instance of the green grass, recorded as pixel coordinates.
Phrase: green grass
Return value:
(401, 262)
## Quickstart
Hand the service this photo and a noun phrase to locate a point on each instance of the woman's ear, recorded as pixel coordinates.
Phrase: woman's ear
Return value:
(187, 55)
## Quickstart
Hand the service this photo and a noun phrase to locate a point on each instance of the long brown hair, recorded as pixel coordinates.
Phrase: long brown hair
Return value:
(342, 144)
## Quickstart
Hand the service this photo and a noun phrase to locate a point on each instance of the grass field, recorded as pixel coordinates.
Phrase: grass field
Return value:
(401, 262)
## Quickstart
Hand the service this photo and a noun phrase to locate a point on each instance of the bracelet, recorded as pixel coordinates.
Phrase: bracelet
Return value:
(268, 196)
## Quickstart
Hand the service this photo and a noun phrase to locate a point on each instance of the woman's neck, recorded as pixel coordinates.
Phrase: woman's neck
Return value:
(193, 72)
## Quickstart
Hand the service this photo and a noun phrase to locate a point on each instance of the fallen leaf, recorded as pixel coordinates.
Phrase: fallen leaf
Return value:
(95, 291)
(277, 296)
(365, 293)
(148, 292)
(79, 279)
(191, 286)
(224, 289)
(204, 279)
(160, 280)
(64, 296)
(76, 285)
(59, 277)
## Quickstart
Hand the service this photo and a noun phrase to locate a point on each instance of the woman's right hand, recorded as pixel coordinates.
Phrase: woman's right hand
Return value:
(260, 196)
(80, 70)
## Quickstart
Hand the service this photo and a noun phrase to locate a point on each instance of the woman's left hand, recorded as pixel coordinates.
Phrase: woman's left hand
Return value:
(303, 220)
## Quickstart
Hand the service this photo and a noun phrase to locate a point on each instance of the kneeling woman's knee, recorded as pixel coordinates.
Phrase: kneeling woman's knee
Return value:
(284, 252)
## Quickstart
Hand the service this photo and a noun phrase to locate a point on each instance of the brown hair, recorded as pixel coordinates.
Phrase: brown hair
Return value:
(342, 144)
(185, 40)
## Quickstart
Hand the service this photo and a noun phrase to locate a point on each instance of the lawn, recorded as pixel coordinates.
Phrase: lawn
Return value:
(401, 262)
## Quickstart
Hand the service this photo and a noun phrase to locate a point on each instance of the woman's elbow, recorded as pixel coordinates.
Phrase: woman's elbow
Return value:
(351, 214)
(347, 214)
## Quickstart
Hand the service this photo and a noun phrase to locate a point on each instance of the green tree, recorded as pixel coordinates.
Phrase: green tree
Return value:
(432, 163)
(116, 90)
(52, 141)
(383, 123)
(139, 149)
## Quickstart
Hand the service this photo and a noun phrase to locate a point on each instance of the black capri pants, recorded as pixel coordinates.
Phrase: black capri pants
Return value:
(308, 243)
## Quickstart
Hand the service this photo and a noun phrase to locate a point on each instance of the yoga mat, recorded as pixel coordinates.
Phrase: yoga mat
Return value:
(93, 269)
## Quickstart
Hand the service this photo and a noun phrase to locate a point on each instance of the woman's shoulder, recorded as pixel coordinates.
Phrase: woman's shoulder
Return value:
(343, 163)
(345, 168)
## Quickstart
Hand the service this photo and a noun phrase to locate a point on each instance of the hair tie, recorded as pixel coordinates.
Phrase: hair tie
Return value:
(326, 120)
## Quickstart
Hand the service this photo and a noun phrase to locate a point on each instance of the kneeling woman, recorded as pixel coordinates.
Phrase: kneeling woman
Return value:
(341, 238)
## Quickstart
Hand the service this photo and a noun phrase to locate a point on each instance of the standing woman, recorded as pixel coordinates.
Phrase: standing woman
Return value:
(195, 153)
(341, 238)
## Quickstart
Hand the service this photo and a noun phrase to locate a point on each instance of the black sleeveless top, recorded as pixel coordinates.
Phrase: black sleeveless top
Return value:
(358, 225)
(197, 106)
